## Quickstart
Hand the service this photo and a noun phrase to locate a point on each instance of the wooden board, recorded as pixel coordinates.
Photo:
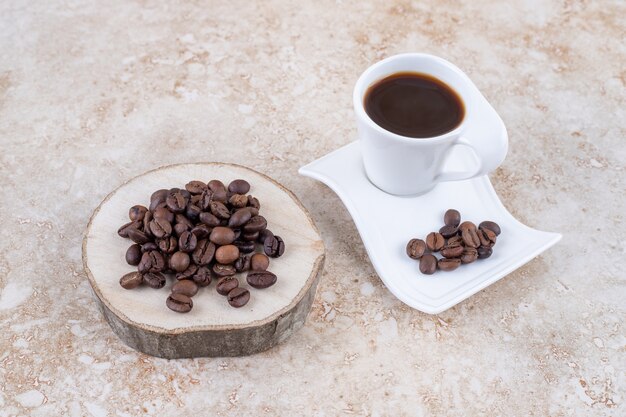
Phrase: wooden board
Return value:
(213, 328)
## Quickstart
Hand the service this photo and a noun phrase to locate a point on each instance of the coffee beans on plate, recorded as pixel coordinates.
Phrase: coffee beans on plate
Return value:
(200, 233)
(458, 243)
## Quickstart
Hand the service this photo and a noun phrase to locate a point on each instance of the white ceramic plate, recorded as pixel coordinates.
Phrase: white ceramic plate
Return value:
(386, 223)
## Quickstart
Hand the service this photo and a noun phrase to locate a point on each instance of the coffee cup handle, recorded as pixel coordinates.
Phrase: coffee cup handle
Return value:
(490, 151)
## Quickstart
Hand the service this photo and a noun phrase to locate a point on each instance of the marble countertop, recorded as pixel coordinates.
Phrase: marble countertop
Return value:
(92, 93)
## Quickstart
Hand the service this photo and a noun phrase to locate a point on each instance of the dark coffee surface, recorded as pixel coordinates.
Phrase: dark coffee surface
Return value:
(414, 105)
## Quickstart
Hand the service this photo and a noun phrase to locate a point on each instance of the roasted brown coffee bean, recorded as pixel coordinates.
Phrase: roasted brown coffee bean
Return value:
(466, 225)
(203, 255)
(274, 246)
(138, 236)
(182, 219)
(157, 198)
(220, 196)
(253, 211)
(487, 237)
(239, 218)
(137, 212)
(264, 234)
(152, 261)
(415, 248)
(238, 200)
(201, 231)
(168, 245)
(215, 185)
(226, 284)
(160, 228)
(448, 231)
(205, 200)
(469, 255)
(209, 219)
(147, 247)
(428, 264)
(163, 213)
(186, 287)
(196, 187)
(452, 218)
(179, 261)
(238, 297)
(493, 226)
(259, 262)
(192, 212)
(250, 237)
(237, 233)
(244, 246)
(187, 242)
(242, 263)
(179, 303)
(254, 202)
(256, 224)
(484, 252)
(448, 264)
(176, 201)
(133, 255)
(180, 228)
(223, 270)
(187, 273)
(154, 280)
(222, 236)
(227, 254)
(123, 231)
(470, 237)
(131, 280)
(261, 279)
(145, 226)
(452, 251)
(202, 277)
(239, 187)
(455, 240)
(435, 241)
(220, 210)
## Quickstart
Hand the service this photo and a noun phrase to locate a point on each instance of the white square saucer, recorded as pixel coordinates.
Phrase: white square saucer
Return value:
(387, 222)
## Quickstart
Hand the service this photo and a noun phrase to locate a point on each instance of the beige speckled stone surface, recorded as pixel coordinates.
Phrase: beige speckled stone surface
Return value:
(92, 93)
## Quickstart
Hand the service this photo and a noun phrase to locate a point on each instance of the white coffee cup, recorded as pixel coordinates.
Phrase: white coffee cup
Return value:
(403, 165)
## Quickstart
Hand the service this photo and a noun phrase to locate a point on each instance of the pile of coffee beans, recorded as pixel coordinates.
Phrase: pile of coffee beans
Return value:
(203, 232)
(458, 243)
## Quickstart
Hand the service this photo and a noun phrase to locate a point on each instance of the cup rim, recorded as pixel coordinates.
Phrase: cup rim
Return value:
(359, 108)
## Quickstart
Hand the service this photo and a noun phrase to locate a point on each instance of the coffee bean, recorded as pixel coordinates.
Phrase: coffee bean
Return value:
(137, 236)
(180, 228)
(191, 270)
(163, 213)
(215, 185)
(205, 200)
(484, 252)
(147, 247)
(179, 303)
(264, 234)
(428, 264)
(259, 262)
(186, 287)
(157, 198)
(160, 228)
(227, 254)
(220, 196)
(196, 187)
(239, 187)
(448, 231)
(239, 218)
(179, 261)
(254, 202)
(176, 201)
(220, 210)
(455, 240)
(193, 212)
(226, 284)
(242, 263)
(154, 280)
(470, 237)
(469, 255)
(145, 225)
(152, 261)
(261, 279)
(244, 246)
(209, 219)
(222, 236)
(182, 219)
(466, 225)
(168, 244)
(274, 246)
(452, 218)
(253, 211)
(493, 226)
(133, 254)
(201, 231)
(250, 237)
(448, 264)
(416, 248)
(136, 213)
(187, 242)
(204, 252)
(131, 280)
(238, 297)
(223, 270)
(256, 224)
(487, 237)
(202, 277)
(435, 241)
(238, 200)
(123, 231)
(237, 233)
(452, 251)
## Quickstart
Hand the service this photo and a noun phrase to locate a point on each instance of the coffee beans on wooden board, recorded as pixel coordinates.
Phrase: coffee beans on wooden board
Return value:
(458, 243)
(201, 233)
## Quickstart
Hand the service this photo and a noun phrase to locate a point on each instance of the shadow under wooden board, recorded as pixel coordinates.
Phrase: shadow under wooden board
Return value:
(212, 328)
